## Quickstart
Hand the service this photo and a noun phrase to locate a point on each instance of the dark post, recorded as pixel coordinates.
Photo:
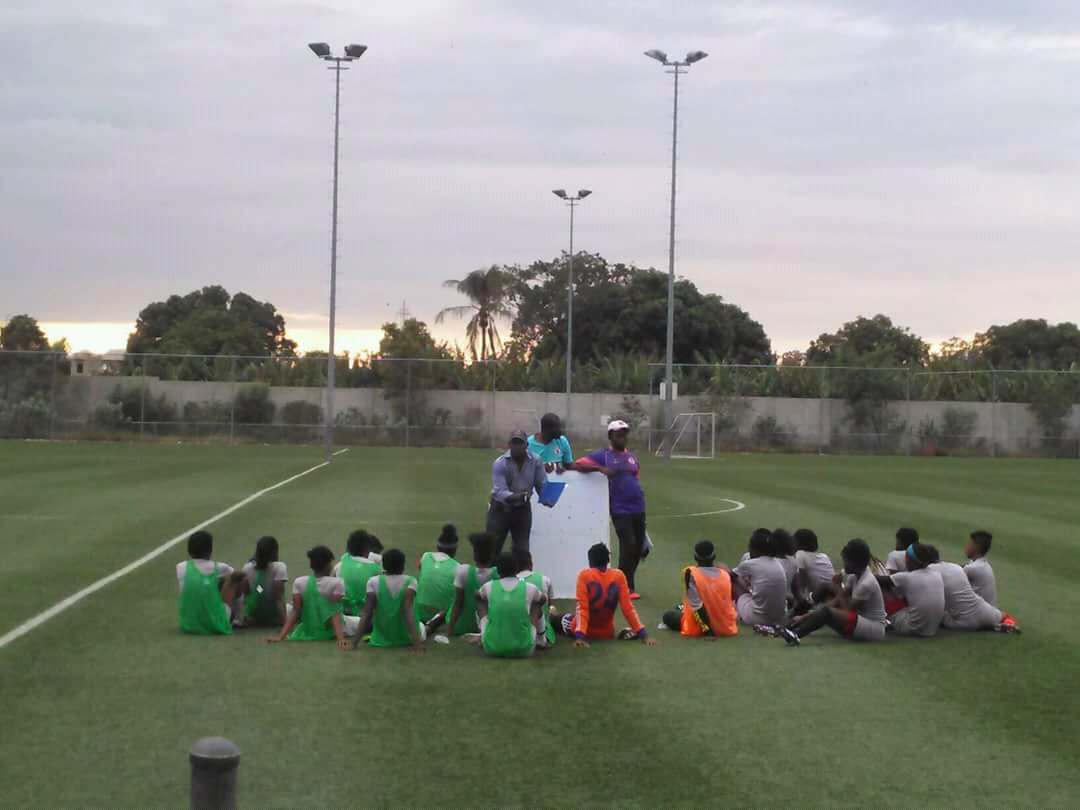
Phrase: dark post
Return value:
(408, 400)
(52, 395)
(232, 401)
(214, 762)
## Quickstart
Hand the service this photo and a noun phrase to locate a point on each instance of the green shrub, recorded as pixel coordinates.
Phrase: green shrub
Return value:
(137, 404)
(252, 405)
(28, 419)
(302, 412)
(208, 412)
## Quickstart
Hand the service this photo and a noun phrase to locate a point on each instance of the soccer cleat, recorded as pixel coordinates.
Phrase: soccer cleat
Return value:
(770, 630)
(790, 636)
(662, 626)
(1008, 624)
(626, 634)
(635, 595)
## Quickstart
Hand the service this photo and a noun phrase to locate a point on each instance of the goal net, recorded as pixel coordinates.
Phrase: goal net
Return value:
(693, 435)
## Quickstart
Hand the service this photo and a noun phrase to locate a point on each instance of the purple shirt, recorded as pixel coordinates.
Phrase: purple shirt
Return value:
(624, 487)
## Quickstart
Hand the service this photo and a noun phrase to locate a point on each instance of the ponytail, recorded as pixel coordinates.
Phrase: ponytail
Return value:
(266, 552)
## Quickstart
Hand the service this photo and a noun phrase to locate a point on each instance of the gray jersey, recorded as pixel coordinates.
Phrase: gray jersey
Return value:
(924, 593)
(817, 565)
(964, 609)
(981, 577)
(866, 598)
(768, 588)
(791, 568)
(896, 561)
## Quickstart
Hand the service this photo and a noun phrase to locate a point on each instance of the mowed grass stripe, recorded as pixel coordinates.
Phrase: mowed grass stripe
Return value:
(957, 720)
(116, 502)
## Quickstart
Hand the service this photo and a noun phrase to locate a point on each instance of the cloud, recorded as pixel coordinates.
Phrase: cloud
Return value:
(835, 158)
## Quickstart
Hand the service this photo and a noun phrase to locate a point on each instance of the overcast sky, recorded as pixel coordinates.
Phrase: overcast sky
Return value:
(920, 159)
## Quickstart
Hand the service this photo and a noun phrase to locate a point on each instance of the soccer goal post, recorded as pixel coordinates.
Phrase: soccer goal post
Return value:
(693, 435)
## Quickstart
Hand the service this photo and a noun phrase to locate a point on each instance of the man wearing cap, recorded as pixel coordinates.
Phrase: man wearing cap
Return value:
(626, 499)
(514, 476)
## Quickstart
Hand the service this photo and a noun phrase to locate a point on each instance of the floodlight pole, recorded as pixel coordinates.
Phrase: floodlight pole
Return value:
(337, 64)
(572, 201)
(676, 68)
(570, 313)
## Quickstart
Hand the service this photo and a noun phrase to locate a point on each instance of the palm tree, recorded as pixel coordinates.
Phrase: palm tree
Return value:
(488, 291)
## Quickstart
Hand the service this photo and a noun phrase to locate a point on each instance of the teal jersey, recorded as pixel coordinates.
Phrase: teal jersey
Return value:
(554, 452)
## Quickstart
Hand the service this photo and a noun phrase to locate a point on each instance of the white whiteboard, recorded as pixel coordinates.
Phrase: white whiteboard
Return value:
(561, 536)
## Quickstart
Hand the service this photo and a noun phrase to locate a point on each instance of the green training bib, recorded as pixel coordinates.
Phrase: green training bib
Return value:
(466, 622)
(315, 614)
(201, 608)
(259, 604)
(388, 627)
(356, 572)
(537, 581)
(509, 632)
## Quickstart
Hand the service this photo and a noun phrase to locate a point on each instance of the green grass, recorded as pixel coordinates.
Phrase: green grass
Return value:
(101, 704)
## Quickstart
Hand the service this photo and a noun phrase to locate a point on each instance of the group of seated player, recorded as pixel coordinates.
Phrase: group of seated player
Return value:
(784, 586)
(496, 601)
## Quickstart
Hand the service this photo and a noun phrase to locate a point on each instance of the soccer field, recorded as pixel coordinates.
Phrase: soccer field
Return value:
(101, 703)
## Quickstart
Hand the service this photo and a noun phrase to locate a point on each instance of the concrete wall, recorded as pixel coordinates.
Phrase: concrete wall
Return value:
(804, 423)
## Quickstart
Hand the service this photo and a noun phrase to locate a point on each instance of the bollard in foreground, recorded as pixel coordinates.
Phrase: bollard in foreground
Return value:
(214, 762)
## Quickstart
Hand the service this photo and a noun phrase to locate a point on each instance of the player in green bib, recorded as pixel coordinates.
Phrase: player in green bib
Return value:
(264, 586)
(358, 564)
(206, 590)
(389, 610)
(545, 632)
(509, 609)
(460, 618)
(317, 604)
(435, 588)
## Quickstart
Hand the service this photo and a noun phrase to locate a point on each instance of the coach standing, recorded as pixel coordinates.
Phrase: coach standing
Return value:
(514, 476)
(625, 497)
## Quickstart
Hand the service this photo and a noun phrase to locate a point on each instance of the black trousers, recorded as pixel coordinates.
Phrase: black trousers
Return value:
(513, 520)
(673, 619)
(631, 532)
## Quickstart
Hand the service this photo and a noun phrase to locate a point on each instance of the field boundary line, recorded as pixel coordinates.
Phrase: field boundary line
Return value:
(94, 587)
(736, 506)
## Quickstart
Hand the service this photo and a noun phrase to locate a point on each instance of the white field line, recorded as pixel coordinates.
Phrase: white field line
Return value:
(735, 507)
(77, 597)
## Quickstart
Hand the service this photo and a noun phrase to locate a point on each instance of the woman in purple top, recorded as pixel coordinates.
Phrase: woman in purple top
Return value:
(625, 497)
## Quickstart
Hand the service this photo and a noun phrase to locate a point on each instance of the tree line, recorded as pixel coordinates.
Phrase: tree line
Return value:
(620, 314)
(620, 317)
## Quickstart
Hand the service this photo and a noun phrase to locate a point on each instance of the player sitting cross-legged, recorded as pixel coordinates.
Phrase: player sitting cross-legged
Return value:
(707, 610)
(600, 590)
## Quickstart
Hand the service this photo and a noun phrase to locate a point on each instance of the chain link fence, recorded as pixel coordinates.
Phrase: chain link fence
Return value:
(420, 402)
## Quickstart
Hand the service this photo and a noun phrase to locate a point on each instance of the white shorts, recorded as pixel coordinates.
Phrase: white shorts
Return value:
(903, 625)
(868, 630)
(744, 608)
(987, 617)
(351, 625)
(748, 614)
